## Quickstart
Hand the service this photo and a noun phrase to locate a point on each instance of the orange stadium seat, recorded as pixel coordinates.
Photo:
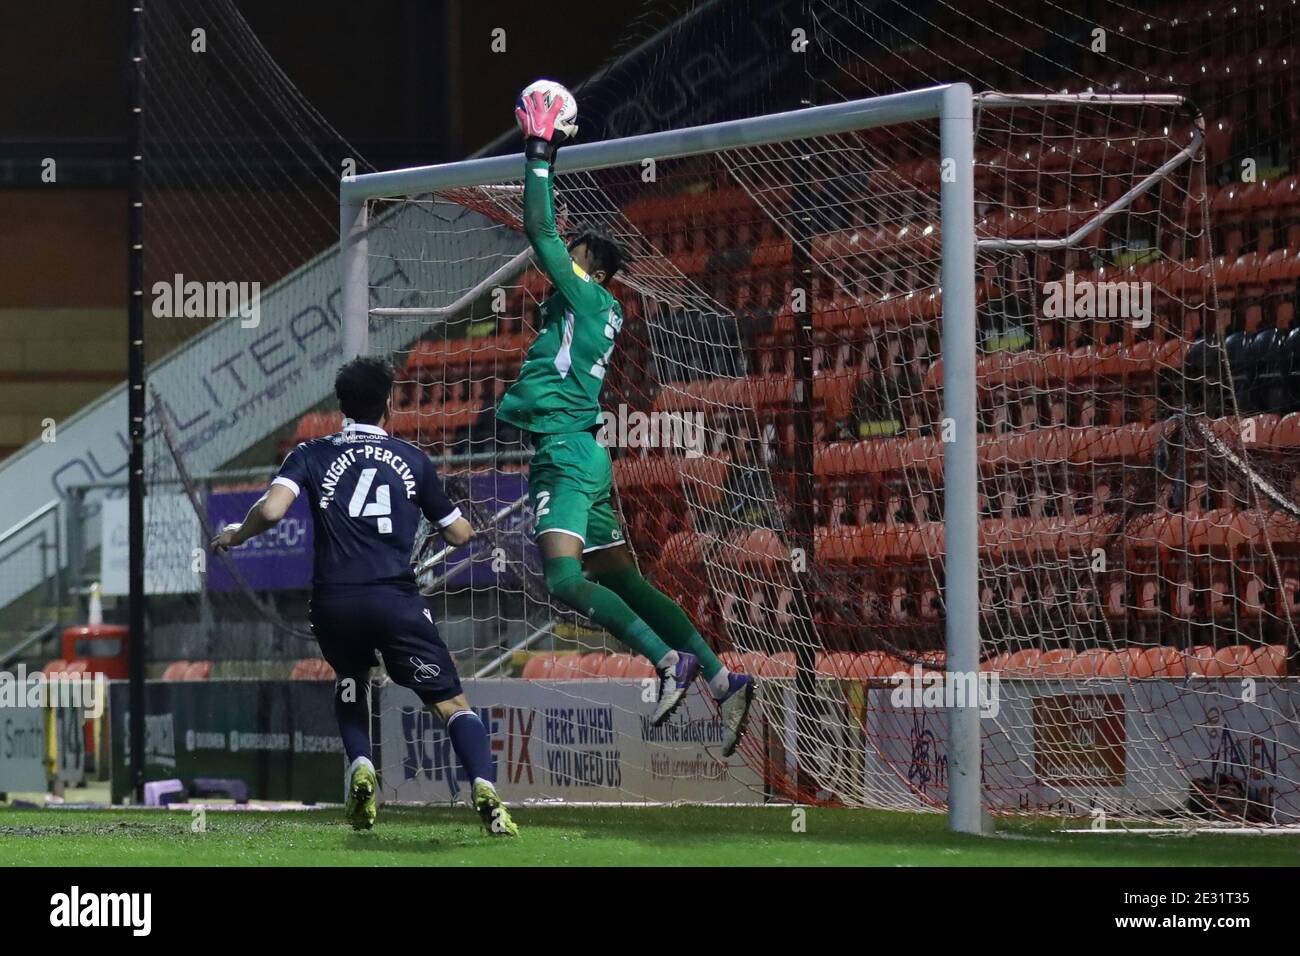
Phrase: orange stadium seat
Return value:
(1199, 660)
(780, 664)
(853, 545)
(758, 546)
(706, 477)
(1286, 433)
(734, 661)
(317, 425)
(639, 668)
(539, 666)
(495, 353)
(836, 664)
(681, 550)
(199, 670)
(1055, 663)
(176, 670)
(567, 667)
(1023, 663)
(744, 662)
(996, 663)
(312, 668)
(1160, 662)
(1235, 661)
(61, 668)
(433, 423)
(591, 665)
(1092, 662)
(615, 665)
(1270, 660)
(643, 474)
(1123, 662)
(931, 662)
(877, 664)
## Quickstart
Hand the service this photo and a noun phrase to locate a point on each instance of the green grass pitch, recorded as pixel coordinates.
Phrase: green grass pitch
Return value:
(582, 836)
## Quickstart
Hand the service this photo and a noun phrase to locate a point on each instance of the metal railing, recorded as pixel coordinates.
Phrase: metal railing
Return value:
(33, 560)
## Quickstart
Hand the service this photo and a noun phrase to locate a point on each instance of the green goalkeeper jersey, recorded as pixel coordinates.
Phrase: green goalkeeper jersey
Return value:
(558, 389)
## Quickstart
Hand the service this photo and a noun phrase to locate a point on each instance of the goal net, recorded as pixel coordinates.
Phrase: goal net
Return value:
(790, 469)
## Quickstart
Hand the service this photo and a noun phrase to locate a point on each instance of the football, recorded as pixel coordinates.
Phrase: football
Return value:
(567, 121)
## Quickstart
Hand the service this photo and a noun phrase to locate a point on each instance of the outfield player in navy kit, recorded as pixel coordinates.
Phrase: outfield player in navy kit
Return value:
(367, 492)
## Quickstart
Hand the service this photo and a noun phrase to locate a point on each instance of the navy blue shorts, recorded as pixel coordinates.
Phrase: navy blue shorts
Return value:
(351, 623)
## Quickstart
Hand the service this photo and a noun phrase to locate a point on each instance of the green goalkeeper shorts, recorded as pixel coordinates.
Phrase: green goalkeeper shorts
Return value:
(571, 484)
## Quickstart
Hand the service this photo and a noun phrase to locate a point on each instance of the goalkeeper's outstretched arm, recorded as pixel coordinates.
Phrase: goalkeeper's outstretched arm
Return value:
(552, 255)
(541, 141)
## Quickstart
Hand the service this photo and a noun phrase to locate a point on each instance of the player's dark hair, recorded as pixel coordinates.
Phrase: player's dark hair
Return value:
(363, 386)
(607, 253)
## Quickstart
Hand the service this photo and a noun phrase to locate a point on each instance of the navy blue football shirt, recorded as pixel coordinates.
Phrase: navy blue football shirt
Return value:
(367, 492)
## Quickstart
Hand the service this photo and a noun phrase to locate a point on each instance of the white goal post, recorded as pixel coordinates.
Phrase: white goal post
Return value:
(955, 108)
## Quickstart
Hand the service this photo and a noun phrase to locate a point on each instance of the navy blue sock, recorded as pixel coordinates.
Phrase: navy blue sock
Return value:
(470, 741)
(352, 708)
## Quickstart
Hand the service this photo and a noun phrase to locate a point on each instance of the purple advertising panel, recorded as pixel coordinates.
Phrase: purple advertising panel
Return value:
(500, 555)
(279, 559)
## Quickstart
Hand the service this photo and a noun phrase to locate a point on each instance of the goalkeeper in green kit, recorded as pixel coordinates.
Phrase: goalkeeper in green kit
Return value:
(556, 402)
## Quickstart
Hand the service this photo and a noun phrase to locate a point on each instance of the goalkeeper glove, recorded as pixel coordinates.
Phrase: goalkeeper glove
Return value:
(537, 120)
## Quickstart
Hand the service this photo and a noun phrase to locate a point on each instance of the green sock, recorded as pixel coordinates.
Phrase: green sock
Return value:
(565, 582)
(663, 614)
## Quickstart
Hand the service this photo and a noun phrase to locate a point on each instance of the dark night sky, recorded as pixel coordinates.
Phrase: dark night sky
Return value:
(405, 82)
(374, 68)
